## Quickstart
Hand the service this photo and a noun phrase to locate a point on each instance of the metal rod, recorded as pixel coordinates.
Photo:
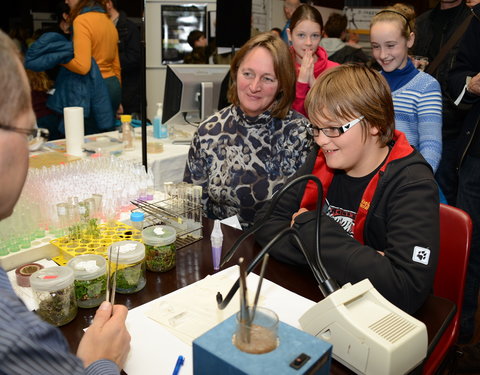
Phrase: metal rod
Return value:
(107, 292)
(114, 284)
(259, 286)
(244, 318)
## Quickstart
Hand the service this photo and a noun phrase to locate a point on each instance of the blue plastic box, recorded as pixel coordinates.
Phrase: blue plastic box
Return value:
(214, 353)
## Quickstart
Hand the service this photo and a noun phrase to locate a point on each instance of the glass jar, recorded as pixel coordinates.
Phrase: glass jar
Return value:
(54, 292)
(160, 254)
(90, 273)
(131, 273)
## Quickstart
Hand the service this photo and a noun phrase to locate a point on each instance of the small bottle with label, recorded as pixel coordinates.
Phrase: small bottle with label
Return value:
(128, 134)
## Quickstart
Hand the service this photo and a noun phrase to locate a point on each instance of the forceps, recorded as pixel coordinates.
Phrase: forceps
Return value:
(110, 295)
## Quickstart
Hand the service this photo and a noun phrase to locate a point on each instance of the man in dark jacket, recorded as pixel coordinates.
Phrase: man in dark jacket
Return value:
(338, 51)
(433, 29)
(464, 84)
(380, 207)
(130, 58)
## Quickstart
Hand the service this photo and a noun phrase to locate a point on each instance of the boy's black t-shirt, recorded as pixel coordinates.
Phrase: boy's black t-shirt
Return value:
(344, 197)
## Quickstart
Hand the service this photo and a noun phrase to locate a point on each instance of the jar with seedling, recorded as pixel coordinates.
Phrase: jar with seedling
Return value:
(90, 272)
(54, 292)
(127, 266)
(160, 251)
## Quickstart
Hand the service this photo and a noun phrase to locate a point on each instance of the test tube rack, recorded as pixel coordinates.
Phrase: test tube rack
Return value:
(181, 214)
(88, 244)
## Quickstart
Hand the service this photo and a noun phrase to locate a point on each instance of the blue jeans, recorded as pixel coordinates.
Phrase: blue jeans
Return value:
(468, 199)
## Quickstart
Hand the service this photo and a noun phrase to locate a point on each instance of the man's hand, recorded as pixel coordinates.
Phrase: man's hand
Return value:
(107, 337)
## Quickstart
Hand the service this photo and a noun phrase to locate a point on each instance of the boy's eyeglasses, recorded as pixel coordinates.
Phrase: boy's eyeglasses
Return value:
(30, 133)
(333, 131)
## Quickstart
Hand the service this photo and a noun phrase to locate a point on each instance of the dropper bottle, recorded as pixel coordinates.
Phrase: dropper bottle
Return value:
(217, 239)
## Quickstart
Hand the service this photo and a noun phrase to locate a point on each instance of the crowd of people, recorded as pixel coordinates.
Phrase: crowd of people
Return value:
(92, 59)
(386, 143)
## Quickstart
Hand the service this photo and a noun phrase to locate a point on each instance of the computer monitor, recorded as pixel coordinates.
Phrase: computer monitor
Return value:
(194, 92)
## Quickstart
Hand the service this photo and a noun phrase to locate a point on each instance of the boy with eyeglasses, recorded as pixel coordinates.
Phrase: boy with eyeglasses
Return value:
(380, 207)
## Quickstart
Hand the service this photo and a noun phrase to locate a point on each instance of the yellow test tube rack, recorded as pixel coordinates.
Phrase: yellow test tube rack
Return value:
(88, 244)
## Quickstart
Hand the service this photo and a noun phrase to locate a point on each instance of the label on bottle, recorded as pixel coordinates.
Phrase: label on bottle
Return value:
(157, 124)
(163, 131)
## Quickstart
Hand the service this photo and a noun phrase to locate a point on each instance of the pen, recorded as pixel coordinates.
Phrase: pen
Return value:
(179, 364)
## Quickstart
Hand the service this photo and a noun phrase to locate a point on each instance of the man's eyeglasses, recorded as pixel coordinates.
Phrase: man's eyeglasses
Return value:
(31, 133)
(333, 131)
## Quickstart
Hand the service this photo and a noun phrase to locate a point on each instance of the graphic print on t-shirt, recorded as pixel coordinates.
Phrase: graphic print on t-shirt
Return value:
(346, 218)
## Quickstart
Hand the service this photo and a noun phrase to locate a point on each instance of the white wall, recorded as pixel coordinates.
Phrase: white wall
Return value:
(278, 17)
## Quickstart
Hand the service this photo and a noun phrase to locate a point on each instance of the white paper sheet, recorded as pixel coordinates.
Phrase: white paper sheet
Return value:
(232, 221)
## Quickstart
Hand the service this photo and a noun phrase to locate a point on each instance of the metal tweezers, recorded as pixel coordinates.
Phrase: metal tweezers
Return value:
(110, 295)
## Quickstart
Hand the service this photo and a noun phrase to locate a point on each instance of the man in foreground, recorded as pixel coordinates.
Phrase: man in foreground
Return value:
(27, 344)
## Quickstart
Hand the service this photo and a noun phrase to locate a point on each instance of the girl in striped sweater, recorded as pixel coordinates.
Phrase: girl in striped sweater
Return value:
(416, 95)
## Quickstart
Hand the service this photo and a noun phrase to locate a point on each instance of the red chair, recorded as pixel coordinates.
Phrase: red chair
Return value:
(455, 238)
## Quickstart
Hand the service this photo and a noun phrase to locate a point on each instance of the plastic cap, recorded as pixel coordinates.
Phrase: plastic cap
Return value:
(137, 216)
(129, 252)
(85, 274)
(217, 230)
(159, 235)
(126, 118)
(52, 278)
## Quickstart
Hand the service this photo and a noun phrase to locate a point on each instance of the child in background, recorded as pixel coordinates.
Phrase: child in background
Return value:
(380, 216)
(304, 34)
(417, 96)
(201, 51)
(40, 85)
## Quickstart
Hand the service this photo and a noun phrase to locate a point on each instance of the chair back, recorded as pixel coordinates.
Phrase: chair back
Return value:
(455, 239)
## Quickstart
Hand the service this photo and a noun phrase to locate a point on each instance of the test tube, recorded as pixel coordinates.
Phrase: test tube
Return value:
(197, 203)
(91, 206)
(167, 189)
(98, 204)
(181, 192)
(189, 207)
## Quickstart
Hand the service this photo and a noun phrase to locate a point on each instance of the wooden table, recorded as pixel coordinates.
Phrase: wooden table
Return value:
(194, 262)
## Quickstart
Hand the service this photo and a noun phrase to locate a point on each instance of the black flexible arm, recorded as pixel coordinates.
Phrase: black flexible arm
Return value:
(259, 224)
(325, 283)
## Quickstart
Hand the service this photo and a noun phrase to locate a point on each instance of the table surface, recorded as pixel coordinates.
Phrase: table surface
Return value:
(194, 263)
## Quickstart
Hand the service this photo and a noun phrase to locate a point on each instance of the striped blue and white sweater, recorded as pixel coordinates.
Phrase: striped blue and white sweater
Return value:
(417, 99)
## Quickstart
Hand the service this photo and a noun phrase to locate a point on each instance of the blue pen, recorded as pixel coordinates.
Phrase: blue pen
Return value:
(179, 364)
